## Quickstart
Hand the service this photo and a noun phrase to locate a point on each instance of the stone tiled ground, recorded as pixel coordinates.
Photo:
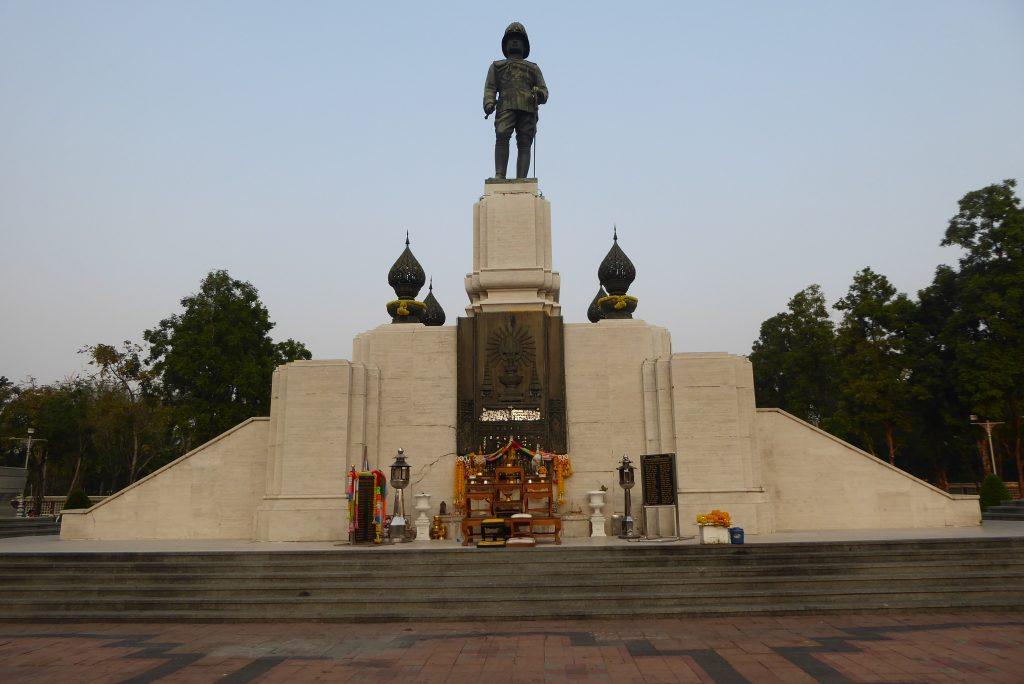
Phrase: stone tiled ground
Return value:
(974, 647)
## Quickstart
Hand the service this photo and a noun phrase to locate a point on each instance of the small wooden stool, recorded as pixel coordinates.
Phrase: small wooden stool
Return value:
(492, 533)
(521, 525)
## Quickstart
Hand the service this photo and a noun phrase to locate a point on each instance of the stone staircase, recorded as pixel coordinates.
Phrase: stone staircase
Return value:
(367, 585)
(1011, 510)
(27, 527)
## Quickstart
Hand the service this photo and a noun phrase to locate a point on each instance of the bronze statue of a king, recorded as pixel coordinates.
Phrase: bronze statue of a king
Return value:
(515, 87)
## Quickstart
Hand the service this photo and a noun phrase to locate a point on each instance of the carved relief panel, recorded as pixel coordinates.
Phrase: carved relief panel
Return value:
(511, 381)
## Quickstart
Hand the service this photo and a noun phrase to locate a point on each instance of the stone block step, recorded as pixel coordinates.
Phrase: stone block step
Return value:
(449, 583)
(647, 610)
(467, 574)
(727, 555)
(1008, 514)
(27, 527)
(371, 607)
(454, 554)
(398, 570)
(26, 533)
(508, 588)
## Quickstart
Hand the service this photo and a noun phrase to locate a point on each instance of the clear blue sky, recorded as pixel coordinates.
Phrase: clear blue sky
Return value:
(744, 149)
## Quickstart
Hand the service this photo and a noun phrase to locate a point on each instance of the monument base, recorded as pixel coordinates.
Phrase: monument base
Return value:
(512, 250)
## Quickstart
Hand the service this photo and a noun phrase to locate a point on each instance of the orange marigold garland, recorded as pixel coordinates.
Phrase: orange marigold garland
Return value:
(715, 518)
(460, 484)
(561, 467)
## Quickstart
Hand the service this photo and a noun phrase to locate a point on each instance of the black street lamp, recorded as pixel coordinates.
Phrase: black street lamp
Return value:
(626, 481)
(399, 480)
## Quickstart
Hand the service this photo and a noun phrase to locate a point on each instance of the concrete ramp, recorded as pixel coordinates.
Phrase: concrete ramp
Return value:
(816, 481)
(209, 493)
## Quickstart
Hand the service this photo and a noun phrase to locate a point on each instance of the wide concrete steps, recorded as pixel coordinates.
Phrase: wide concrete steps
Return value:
(1011, 510)
(27, 527)
(505, 589)
(564, 582)
(25, 575)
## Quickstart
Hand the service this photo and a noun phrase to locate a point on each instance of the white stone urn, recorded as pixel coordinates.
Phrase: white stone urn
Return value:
(714, 534)
(422, 521)
(596, 503)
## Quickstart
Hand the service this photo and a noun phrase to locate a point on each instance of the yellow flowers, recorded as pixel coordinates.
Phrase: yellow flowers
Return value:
(404, 304)
(621, 301)
(715, 518)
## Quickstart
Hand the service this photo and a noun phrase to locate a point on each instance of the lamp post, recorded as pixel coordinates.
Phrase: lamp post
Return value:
(399, 480)
(988, 425)
(28, 445)
(626, 481)
(28, 452)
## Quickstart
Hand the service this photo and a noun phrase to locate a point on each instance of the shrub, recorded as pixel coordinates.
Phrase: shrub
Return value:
(993, 492)
(77, 499)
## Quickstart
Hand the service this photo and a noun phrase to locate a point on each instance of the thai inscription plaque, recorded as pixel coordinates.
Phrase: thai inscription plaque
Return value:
(658, 478)
(511, 381)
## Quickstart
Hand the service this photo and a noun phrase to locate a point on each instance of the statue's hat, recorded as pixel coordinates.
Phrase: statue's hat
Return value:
(516, 29)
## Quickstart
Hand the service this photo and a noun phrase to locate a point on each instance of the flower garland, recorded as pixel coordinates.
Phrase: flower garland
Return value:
(404, 304)
(715, 518)
(460, 483)
(561, 467)
(380, 503)
(621, 301)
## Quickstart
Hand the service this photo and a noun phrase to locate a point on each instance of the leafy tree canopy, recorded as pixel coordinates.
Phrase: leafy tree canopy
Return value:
(794, 358)
(216, 358)
(874, 368)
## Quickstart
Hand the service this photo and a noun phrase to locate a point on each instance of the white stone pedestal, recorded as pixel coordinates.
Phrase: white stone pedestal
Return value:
(512, 250)
(596, 503)
(712, 534)
(422, 522)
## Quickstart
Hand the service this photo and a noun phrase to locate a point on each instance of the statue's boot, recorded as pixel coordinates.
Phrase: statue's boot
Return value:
(523, 162)
(500, 158)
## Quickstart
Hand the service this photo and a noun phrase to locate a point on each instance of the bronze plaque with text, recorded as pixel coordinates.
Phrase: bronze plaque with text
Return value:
(658, 479)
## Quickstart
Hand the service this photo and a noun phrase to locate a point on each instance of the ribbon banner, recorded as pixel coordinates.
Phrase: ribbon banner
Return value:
(379, 502)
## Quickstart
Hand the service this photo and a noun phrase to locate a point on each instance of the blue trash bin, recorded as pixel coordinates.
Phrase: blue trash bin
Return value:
(736, 535)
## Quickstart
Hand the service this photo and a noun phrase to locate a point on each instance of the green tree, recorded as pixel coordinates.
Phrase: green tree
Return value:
(986, 332)
(128, 410)
(8, 427)
(216, 358)
(876, 396)
(794, 359)
(943, 441)
(59, 414)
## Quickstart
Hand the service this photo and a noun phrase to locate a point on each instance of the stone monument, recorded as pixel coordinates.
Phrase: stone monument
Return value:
(512, 367)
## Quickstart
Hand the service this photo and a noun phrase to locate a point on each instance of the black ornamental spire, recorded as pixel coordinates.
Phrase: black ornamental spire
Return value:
(616, 274)
(406, 277)
(434, 314)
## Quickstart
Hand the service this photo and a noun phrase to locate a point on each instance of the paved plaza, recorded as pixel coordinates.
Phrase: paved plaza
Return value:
(927, 647)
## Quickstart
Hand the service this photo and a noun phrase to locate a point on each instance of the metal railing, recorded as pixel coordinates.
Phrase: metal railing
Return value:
(52, 505)
(973, 488)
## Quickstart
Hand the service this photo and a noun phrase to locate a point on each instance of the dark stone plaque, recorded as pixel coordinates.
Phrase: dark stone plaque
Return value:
(658, 478)
(511, 381)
